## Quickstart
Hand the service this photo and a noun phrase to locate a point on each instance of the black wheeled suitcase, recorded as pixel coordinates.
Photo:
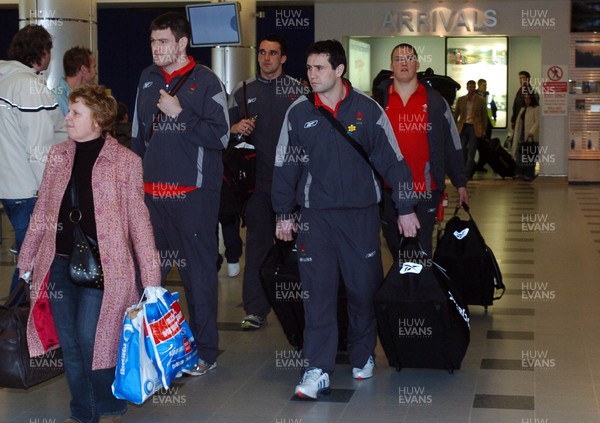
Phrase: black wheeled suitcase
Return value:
(470, 263)
(498, 158)
(280, 279)
(421, 322)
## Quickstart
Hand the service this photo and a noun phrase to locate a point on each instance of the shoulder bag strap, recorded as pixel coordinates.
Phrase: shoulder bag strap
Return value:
(173, 91)
(338, 126)
(245, 99)
(75, 212)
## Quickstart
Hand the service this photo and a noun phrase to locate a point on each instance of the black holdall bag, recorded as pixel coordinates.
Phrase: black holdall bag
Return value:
(280, 279)
(17, 369)
(422, 322)
(470, 263)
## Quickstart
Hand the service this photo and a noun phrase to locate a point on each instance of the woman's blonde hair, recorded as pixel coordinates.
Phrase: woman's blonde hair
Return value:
(102, 105)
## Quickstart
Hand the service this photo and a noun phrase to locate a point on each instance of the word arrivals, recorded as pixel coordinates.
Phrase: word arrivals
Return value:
(414, 328)
(436, 20)
(536, 291)
(536, 222)
(290, 291)
(413, 396)
(537, 360)
(290, 359)
(169, 396)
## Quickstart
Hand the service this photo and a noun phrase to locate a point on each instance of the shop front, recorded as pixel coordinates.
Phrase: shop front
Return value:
(469, 41)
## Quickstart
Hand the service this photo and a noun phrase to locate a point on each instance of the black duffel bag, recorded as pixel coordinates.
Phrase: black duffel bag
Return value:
(17, 369)
(422, 322)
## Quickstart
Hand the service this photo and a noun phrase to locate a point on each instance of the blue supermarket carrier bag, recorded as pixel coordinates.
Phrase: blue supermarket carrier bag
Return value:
(169, 339)
(152, 351)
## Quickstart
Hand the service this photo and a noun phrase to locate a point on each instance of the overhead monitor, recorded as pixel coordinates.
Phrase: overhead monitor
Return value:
(214, 24)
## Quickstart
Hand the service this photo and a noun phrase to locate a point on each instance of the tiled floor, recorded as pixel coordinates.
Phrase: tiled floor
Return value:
(533, 357)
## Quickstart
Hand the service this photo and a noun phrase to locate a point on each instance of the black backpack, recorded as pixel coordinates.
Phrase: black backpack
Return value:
(239, 174)
(470, 263)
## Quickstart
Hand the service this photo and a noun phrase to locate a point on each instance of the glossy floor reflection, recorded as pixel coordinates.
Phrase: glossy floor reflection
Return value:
(533, 357)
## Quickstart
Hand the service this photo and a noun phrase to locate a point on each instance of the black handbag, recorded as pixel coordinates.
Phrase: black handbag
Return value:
(85, 267)
(17, 369)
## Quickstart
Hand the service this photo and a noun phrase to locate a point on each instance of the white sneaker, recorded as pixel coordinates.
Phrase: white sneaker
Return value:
(314, 383)
(366, 372)
(233, 269)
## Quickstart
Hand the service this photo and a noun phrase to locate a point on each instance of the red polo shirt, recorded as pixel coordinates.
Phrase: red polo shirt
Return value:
(411, 128)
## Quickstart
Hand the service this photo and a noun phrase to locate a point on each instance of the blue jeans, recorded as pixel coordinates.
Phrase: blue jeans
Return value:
(75, 311)
(18, 212)
(469, 142)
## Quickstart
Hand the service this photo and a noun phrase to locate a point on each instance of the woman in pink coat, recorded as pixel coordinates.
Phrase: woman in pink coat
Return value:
(86, 321)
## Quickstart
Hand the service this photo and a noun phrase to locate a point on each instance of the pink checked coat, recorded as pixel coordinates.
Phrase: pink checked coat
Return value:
(123, 227)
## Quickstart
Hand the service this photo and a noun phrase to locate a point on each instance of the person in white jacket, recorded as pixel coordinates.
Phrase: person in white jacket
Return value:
(526, 137)
(30, 123)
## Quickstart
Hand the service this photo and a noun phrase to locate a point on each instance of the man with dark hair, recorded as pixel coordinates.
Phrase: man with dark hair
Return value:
(336, 189)
(30, 123)
(424, 127)
(266, 96)
(470, 114)
(79, 65)
(180, 128)
(524, 88)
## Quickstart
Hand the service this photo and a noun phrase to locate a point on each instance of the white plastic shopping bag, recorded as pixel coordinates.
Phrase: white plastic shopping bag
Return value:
(170, 342)
(136, 377)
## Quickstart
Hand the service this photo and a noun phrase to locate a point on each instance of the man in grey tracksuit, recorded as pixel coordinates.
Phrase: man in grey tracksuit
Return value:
(338, 193)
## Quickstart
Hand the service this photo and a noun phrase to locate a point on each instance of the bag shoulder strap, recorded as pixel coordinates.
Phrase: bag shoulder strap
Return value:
(172, 92)
(338, 126)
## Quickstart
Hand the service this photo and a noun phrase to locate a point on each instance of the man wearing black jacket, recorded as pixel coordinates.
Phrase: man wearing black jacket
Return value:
(337, 192)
